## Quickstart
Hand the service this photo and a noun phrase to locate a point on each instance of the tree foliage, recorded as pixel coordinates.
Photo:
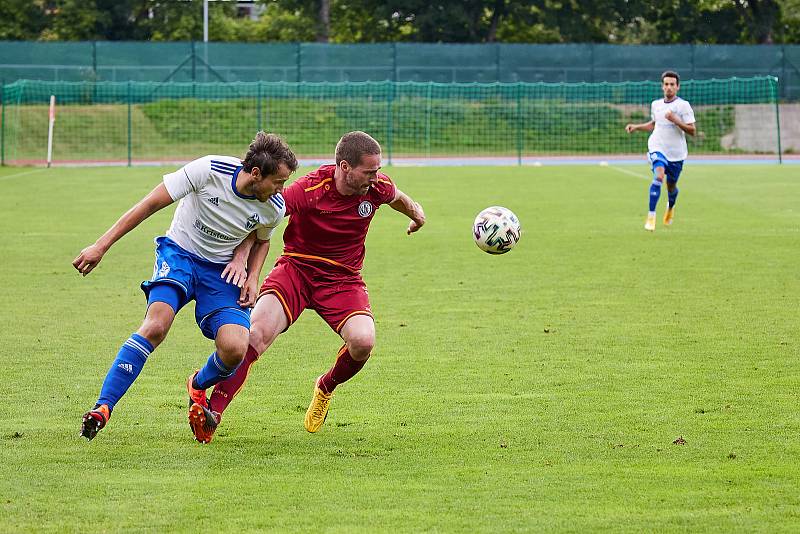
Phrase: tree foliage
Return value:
(463, 21)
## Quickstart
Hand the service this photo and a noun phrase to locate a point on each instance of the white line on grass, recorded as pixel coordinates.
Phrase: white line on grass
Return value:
(630, 173)
(16, 174)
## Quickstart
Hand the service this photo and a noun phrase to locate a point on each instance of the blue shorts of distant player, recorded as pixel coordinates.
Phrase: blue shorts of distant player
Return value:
(180, 276)
(672, 169)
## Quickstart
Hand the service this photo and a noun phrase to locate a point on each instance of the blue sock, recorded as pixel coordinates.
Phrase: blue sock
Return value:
(655, 194)
(672, 196)
(213, 371)
(124, 370)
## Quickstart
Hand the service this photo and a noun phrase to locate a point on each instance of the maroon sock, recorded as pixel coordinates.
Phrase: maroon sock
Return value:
(343, 370)
(225, 391)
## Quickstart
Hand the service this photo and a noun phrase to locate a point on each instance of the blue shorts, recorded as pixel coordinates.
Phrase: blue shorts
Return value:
(200, 280)
(672, 169)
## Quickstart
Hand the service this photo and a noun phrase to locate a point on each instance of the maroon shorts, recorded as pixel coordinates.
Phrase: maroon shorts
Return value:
(334, 296)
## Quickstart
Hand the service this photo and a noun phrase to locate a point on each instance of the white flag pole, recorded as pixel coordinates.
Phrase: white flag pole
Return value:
(50, 130)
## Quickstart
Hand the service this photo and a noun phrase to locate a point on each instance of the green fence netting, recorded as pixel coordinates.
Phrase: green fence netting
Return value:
(420, 62)
(137, 122)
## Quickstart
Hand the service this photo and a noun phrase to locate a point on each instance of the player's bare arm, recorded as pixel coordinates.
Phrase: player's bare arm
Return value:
(89, 257)
(235, 271)
(405, 205)
(690, 129)
(255, 262)
(643, 127)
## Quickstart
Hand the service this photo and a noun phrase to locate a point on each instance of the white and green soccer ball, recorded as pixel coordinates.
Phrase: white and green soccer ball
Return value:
(496, 230)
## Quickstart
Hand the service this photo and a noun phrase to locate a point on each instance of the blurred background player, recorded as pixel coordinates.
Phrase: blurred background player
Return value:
(671, 118)
(222, 201)
(330, 212)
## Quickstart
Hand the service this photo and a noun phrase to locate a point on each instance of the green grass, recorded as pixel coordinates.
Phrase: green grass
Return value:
(537, 391)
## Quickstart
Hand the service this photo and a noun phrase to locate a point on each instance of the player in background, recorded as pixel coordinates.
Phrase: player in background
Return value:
(222, 201)
(329, 211)
(671, 118)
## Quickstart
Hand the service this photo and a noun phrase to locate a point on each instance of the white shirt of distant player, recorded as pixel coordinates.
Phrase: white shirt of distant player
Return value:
(212, 218)
(667, 138)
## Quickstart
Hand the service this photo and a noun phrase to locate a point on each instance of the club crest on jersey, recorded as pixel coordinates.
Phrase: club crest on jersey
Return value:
(252, 221)
(365, 208)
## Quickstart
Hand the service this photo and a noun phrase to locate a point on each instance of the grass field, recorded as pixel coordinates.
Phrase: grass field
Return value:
(542, 390)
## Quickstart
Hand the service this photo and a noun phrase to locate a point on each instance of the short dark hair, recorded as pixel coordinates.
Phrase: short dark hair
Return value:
(354, 145)
(267, 152)
(671, 74)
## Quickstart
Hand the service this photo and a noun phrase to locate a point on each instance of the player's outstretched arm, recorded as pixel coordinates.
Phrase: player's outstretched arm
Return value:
(89, 257)
(643, 127)
(255, 261)
(405, 205)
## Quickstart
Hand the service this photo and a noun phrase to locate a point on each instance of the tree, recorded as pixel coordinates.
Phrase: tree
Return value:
(449, 21)
(22, 19)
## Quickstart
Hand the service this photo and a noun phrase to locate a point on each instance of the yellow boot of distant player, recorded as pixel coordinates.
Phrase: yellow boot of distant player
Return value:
(668, 215)
(650, 223)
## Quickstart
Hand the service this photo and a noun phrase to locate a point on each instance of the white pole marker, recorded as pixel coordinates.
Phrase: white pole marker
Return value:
(50, 130)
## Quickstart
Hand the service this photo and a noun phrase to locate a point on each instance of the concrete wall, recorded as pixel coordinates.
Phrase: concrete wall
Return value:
(755, 128)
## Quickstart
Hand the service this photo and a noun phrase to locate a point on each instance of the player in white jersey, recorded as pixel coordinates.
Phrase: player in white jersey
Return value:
(671, 118)
(222, 200)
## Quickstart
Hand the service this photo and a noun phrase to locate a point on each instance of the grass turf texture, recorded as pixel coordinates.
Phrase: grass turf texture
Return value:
(541, 390)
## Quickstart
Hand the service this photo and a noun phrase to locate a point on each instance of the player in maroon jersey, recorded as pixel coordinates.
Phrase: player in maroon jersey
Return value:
(330, 212)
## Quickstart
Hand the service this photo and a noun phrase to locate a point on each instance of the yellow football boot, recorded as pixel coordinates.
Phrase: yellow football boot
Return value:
(318, 409)
(668, 215)
(650, 223)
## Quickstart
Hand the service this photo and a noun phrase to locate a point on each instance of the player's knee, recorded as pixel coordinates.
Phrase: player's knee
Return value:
(232, 351)
(360, 345)
(154, 331)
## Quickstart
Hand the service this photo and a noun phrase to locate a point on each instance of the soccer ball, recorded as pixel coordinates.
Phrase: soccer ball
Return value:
(496, 230)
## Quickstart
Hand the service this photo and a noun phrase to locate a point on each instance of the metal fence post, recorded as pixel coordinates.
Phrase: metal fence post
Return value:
(94, 71)
(389, 125)
(130, 128)
(783, 70)
(774, 91)
(394, 61)
(519, 123)
(3, 124)
(299, 62)
(428, 118)
(258, 108)
(497, 62)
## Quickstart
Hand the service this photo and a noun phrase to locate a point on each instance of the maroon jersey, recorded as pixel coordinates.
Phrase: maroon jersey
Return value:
(326, 227)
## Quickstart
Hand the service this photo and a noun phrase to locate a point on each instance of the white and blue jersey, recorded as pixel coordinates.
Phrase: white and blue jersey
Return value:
(213, 216)
(667, 139)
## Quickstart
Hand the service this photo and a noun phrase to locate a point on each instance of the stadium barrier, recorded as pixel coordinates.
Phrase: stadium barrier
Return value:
(146, 122)
(118, 61)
